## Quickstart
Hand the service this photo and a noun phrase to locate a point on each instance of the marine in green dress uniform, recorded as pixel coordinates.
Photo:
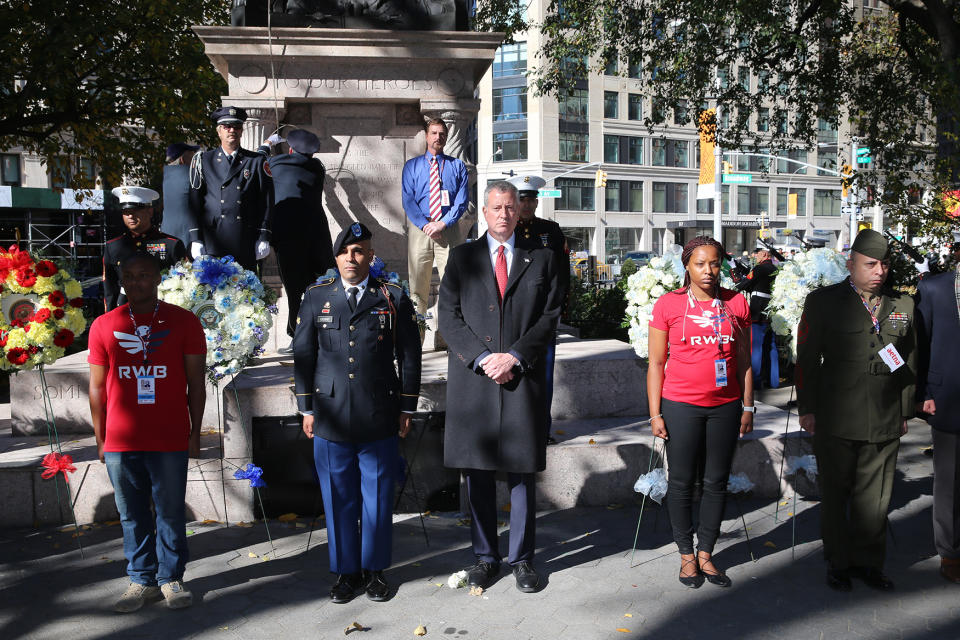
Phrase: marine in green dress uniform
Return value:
(855, 376)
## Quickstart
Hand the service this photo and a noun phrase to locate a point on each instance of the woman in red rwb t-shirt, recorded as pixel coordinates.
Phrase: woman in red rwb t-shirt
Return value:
(700, 391)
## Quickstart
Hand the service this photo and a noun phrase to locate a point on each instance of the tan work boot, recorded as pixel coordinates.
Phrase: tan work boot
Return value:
(176, 596)
(135, 597)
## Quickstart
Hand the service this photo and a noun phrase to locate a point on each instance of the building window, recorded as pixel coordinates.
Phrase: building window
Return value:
(509, 104)
(635, 106)
(763, 119)
(669, 153)
(723, 74)
(783, 203)
(752, 200)
(780, 121)
(706, 206)
(670, 197)
(612, 67)
(635, 68)
(510, 60)
(743, 78)
(790, 167)
(611, 149)
(575, 106)
(10, 169)
(826, 202)
(610, 104)
(59, 170)
(513, 145)
(826, 160)
(576, 194)
(636, 197)
(578, 238)
(573, 147)
(681, 114)
(634, 150)
(826, 131)
(612, 193)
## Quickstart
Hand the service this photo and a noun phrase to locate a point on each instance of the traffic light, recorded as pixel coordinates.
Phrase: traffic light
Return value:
(727, 167)
(600, 179)
(846, 179)
(864, 225)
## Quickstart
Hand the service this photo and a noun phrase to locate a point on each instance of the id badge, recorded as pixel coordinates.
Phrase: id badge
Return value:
(891, 357)
(720, 372)
(444, 198)
(146, 390)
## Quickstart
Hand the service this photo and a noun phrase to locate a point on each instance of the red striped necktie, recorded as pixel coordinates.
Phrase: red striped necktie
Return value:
(435, 212)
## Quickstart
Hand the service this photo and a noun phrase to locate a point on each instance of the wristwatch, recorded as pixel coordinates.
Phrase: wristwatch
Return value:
(751, 409)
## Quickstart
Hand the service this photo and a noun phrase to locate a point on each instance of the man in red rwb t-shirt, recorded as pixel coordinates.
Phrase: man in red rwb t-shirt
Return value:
(147, 396)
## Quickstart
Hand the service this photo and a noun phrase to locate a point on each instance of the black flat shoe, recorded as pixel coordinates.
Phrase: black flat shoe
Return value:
(346, 588)
(696, 580)
(527, 578)
(873, 578)
(719, 579)
(839, 580)
(376, 586)
(480, 574)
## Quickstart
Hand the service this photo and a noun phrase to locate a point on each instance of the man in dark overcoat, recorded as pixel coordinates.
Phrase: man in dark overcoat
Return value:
(232, 196)
(938, 389)
(498, 308)
(300, 234)
(177, 218)
(856, 382)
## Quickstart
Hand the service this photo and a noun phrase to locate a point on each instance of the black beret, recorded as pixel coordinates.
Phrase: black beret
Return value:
(302, 141)
(351, 235)
(177, 149)
(224, 115)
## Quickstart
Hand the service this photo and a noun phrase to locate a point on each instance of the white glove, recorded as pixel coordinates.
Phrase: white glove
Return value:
(196, 249)
(923, 267)
(262, 250)
(275, 139)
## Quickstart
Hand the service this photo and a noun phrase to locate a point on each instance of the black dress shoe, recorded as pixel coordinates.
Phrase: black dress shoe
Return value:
(839, 580)
(376, 586)
(285, 351)
(526, 575)
(346, 588)
(480, 574)
(873, 578)
(696, 580)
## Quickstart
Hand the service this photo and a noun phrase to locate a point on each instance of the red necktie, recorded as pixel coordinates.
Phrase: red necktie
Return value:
(501, 271)
(434, 190)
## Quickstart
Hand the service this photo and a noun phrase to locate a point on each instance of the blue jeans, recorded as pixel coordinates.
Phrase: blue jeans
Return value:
(155, 548)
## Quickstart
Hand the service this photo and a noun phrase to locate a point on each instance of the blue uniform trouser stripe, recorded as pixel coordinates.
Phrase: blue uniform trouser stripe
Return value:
(357, 482)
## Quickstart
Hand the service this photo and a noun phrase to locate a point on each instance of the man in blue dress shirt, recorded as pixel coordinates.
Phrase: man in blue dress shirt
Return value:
(435, 196)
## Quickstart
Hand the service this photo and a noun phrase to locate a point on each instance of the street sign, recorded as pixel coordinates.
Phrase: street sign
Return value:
(549, 193)
(737, 178)
(863, 155)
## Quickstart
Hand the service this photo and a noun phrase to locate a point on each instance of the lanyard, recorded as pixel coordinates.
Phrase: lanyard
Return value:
(872, 312)
(716, 322)
(145, 337)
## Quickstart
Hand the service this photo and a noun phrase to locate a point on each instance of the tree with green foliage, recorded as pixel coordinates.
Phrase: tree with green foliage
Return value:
(892, 74)
(113, 82)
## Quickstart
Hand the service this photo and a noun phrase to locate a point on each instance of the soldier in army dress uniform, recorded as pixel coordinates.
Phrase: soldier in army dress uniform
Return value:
(231, 197)
(855, 379)
(355, 401)
(140, 236)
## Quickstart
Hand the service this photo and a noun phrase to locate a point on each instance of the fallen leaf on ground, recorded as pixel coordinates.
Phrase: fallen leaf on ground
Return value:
(476, 591)
(790, 514)
(769, 544)
(252, 555)
(209, 521)
(245, 525)
(628, 615)
(783, 504)
(591, 441)
(287, 517)
(560, 433)
(420, 631)
(190, 532)
(265, 558)
(439, 584)
(110, 523)
(356, 626)
(426, 513)
(623, 630)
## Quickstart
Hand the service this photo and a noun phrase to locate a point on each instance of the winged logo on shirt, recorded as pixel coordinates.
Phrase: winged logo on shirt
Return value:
(707, 319)
(134, 343)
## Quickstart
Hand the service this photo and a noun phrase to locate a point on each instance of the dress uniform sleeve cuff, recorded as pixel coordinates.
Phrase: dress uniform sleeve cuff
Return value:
(408, 404)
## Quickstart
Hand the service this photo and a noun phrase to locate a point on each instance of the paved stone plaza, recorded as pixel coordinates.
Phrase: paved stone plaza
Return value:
(246, 589)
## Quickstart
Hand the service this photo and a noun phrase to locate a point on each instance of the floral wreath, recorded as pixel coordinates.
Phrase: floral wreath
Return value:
(41, 310)
(232, 305)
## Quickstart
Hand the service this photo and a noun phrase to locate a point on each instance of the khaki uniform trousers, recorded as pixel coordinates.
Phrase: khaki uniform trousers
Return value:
(422, 253)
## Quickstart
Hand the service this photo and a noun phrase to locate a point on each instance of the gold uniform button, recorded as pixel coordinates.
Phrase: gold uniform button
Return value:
(350, 359)
(351, 376)
(352, 328)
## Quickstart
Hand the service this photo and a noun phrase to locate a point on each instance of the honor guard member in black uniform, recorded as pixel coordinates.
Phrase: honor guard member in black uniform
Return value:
(355, 401)
(140, 236)
(300, 234)
(539, 233)
(176, 191)
(231, 196)
(759, 283)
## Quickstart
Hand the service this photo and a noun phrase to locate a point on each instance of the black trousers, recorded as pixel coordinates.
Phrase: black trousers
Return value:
(699, 437)
(946, 493)
(482, 494)
(299, 266)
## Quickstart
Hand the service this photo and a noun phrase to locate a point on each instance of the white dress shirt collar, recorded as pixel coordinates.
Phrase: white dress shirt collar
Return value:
(508, 250)
(362, 286)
